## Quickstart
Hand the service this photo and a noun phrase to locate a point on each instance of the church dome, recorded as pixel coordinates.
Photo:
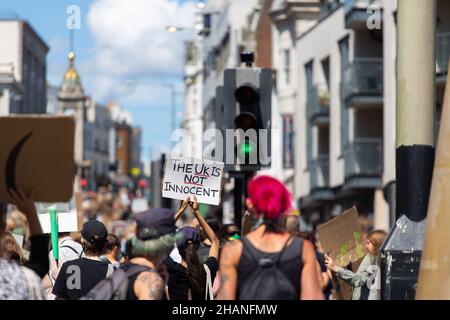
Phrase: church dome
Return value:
(71, 87)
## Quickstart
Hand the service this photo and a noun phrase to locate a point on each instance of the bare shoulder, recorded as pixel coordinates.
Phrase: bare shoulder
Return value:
(231, 251)
(149, 286)
(308, 252)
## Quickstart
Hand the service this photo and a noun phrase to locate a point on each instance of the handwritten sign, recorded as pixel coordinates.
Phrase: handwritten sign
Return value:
(183, 177)
(341, 238)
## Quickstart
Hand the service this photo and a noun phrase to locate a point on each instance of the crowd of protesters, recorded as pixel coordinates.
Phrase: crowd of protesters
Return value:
(163, 255)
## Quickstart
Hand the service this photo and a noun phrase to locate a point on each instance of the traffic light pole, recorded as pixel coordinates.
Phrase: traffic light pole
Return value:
(401, 252)
(240, 194)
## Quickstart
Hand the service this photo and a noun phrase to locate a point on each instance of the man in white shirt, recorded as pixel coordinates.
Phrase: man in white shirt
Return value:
(68, 250)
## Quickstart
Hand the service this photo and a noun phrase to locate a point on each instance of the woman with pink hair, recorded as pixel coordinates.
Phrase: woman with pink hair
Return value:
(268, 263)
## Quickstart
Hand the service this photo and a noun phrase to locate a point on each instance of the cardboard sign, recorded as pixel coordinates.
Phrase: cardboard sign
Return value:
(191, 177)
(37, 153)
(341, 238)
(67, 216)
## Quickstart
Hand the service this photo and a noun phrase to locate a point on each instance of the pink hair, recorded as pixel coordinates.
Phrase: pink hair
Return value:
(269, 196)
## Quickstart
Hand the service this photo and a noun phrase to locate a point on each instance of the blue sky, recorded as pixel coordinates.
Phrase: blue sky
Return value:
(119, 41)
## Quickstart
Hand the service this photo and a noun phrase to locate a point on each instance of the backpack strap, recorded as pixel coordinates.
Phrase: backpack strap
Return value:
(208, 291)
(249, 247)
(110, 270)
(73, 249)
(282, 250)
(134, 269)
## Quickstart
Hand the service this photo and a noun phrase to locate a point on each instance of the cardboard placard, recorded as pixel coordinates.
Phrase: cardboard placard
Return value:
(341, 238)
(37, 153)
(183, 177)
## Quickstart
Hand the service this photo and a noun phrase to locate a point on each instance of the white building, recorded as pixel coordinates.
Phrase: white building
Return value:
(193, 81)
(96, 149)
(52, 99)
(346, 109)
(22, 69)
(290, 19)
(223, 41)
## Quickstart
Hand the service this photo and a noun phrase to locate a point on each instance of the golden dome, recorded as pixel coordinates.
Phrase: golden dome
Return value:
(71, 73)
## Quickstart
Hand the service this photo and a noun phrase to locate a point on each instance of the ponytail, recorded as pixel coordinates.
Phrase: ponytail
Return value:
(195, 271)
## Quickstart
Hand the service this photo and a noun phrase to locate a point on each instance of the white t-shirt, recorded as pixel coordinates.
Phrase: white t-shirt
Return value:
(68, 250)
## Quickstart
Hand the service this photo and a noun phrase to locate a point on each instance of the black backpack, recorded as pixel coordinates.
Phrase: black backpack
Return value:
(115, 287)
(268, 281)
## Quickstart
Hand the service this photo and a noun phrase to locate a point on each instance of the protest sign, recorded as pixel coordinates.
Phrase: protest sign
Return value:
(183, 177)
(341, 239)
(37, 153)
(68, 218)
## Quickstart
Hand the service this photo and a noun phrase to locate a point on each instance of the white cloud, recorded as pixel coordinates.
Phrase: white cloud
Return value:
(131, 42)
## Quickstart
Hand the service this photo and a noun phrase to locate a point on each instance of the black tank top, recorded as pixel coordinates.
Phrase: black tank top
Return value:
(131, 280)
(290, 262)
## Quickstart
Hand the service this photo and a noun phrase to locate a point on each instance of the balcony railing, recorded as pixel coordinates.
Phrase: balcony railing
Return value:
(442, 52)
(364, 157)
(319, 172)
(318, 103)
(356, 12)
(363, 77)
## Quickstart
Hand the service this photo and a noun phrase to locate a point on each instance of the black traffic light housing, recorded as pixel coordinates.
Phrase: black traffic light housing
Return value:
(246, 123)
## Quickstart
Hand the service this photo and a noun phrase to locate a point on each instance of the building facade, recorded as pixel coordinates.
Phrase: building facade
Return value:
(22, 69)
(193, 81)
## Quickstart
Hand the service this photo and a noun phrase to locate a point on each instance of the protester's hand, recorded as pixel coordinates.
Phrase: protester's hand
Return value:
(194, 204)
(25, 204)
(185, 203)
(55, 272)
(329, 263)
(183, 208)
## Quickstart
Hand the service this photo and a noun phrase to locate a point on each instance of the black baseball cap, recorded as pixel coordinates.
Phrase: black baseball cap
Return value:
(154, 223)
(94, 230)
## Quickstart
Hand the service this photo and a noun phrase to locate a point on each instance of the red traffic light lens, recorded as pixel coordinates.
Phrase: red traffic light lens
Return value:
(246, 95)
(245, 121)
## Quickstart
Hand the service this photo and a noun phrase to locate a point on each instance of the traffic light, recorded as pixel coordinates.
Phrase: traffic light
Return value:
(247, 94)
(83, 184)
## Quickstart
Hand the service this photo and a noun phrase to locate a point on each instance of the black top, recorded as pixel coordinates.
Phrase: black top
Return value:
(323, 268)
(290, 262)
(83, 275)
(38, 261)
(131, 295)
(179, 282)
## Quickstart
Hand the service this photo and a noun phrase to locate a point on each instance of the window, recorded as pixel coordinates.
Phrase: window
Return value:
(287, 65)
(288, 142)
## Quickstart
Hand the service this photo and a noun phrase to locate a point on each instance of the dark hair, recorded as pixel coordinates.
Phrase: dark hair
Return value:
(97, 246)
(195, 271)
(112, 241)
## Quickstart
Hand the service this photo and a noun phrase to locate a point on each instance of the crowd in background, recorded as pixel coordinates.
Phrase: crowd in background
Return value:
(159, 254)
